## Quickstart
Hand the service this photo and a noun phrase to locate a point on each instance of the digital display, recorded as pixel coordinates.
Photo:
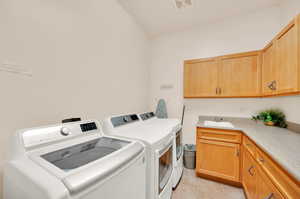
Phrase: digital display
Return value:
(88, 127)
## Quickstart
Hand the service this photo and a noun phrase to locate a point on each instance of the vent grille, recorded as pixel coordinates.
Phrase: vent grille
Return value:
(180, 4)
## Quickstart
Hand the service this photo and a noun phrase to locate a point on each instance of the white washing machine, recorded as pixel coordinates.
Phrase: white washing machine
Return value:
(74, 161)
(174, 126)
(159, 149)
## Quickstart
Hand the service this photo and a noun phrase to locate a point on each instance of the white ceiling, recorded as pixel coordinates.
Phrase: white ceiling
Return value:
(162, 16)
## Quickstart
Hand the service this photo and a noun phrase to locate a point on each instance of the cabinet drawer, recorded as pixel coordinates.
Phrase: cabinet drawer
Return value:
(219, 135)
(266, 189)
(289, 187)
(249, 175)
(249, 145)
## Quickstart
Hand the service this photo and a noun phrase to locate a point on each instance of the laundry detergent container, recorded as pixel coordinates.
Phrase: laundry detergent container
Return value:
(189, 156)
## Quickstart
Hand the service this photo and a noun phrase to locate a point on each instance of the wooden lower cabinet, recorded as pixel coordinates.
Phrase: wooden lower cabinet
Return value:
(265, 188)
(218, 159)
(249, 175)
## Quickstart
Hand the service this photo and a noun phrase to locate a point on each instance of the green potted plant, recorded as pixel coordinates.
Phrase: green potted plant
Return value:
(272, 117)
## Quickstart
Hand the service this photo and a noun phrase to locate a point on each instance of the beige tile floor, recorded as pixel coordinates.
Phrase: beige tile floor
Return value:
(192, 187)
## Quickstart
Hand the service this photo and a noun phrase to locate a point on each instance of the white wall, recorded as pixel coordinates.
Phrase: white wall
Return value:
(289, 9)
(88, 58)
(245, 33)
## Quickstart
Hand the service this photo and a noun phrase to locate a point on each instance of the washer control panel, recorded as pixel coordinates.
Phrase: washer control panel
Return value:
(44, 135)
(88, 127)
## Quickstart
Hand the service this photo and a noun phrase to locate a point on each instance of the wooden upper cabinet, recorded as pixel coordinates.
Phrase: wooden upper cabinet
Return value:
(275, 70)
(240, 75)
(237, 75)
(269, 70)
(200, 78)
(287, 44)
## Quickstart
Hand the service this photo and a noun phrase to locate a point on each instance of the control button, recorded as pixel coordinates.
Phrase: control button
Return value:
(126, 119)
(65, 131)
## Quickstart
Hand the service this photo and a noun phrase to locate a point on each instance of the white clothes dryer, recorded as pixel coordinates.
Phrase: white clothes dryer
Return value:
(159, 149)
(174, 126)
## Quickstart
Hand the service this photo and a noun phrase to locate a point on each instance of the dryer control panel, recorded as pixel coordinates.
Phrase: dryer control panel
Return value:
(146, 116)
(124, 119)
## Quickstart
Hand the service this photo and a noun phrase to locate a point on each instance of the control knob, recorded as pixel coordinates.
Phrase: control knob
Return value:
(65, 131)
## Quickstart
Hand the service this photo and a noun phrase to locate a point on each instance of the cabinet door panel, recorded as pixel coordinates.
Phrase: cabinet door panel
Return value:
(269, 76)
(218, 159)
(201, 79)
(265, 188)
(240, 76)
(249, 175)
(287, 58)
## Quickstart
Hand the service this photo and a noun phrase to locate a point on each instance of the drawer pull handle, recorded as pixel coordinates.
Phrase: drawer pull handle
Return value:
(261, 160)
(248, 145)
(238, 152)
(269, 196)
(250, 171)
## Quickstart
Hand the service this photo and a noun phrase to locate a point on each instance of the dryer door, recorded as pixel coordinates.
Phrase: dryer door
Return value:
(179, 148)
(165, 167)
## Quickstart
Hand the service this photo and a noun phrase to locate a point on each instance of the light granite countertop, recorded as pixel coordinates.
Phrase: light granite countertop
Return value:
(282, 145)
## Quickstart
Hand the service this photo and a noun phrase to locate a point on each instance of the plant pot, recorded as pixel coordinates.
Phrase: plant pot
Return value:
(270, 123)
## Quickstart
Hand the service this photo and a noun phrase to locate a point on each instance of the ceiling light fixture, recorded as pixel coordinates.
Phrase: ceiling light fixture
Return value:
(183, 3)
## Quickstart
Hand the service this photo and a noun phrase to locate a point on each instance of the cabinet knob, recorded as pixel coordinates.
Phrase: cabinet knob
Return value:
(261, 160)
(237, 152)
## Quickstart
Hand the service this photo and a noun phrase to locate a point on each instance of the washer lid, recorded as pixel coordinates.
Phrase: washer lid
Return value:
(79, 155)
(101, 169)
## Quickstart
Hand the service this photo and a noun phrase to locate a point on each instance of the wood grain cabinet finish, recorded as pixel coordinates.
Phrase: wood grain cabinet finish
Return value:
(249, 146)
(249, 175)
(200, 78)
(265, 188)
(219, 135)
(271, 180)
(281, 62)
(287, 46)
(240, 75)
(289, 188)
(272, 71)
(236, 75)
(218, 159)
(269, 71)
(218, 155)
